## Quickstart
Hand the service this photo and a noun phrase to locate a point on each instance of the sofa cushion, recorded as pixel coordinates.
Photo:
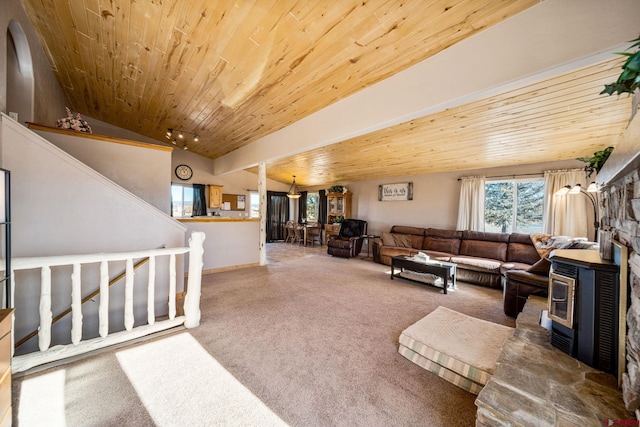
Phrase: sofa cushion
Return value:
(446, 234)
(477, 264)
(416, 233)
(484, 249)
(440, 256)
(485, 236)
(522, 252)
(482, 278)
(439, 244)
(386, 252)
(521, 238)
(403, 229)
(398, 240)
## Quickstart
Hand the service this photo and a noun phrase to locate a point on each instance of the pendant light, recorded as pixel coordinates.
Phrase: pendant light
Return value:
(293, 190)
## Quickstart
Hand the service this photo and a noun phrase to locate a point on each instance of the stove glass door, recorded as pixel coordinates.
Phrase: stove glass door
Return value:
(561, 295)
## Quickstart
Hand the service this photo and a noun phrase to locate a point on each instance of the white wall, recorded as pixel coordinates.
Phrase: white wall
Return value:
(228, 244)
(144, 171)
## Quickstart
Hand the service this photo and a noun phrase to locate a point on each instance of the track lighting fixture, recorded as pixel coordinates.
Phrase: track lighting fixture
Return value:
(174, 134)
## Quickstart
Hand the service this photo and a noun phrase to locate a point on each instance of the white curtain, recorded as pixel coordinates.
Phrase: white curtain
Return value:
(565, 215)
(471, 207)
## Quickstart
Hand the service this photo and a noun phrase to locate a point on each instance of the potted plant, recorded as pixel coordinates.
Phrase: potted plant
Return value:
(595, 163)
(629, 79)
(336, 189)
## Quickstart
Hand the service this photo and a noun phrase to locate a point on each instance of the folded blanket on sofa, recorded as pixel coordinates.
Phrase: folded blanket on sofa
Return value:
(545, 243)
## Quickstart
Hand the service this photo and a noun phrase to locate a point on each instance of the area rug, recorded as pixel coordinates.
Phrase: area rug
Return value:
(459, 348)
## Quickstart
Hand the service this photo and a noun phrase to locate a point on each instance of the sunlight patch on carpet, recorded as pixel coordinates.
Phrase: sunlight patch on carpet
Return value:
(180, 383)
(42, 400)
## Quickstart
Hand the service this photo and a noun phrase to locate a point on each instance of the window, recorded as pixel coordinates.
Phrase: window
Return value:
(254, 204)
(514, 206)
(313, 207)
(181, 200)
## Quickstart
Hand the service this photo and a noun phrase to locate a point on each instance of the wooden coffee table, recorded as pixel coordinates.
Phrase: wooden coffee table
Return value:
(443, 269)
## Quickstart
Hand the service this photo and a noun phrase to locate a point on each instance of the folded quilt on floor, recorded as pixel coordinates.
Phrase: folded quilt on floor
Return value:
(459, 348)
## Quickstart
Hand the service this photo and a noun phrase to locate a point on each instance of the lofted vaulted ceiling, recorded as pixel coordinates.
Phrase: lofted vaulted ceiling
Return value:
(234, 72)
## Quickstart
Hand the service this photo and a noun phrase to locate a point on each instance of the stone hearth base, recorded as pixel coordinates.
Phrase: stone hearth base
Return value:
(535, 384)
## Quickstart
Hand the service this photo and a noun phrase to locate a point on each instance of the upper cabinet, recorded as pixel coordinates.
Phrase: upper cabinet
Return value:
(338, 205)
(215, 196)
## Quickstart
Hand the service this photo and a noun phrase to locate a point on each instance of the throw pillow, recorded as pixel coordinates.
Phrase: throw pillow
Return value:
(397, 240)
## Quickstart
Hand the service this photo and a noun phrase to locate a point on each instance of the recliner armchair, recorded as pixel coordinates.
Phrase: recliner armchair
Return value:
(348, 242)
(520, 284)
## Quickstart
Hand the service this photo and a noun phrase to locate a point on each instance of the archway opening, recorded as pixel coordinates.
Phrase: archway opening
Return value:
(20, 82)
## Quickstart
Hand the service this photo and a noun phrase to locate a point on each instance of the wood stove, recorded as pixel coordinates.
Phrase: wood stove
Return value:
(584, 307)
(561, 298)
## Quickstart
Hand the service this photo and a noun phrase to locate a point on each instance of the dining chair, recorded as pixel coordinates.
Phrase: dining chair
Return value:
(290, 236)
(314, 232)
(299, 232)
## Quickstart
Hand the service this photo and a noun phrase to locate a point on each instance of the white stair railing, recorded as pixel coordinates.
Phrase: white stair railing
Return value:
(190, 319)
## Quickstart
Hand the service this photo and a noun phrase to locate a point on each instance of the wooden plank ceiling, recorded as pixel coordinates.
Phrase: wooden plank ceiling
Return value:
(556, 119)
(234, 71)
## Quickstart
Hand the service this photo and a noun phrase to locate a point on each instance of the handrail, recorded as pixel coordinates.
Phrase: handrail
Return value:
(28, 263)
(78, 345)
(85, 299)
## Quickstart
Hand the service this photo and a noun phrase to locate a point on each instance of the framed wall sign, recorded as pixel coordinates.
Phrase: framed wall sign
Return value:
(394, 192)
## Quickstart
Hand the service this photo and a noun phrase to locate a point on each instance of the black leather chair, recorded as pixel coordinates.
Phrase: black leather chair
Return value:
(348, 242)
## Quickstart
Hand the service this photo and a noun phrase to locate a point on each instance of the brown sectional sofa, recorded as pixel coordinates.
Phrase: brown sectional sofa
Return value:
(482, 258)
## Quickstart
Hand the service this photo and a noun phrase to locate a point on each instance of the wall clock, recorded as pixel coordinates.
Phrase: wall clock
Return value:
(184, 172)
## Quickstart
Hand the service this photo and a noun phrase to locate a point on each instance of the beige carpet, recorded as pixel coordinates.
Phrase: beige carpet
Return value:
(308, 340)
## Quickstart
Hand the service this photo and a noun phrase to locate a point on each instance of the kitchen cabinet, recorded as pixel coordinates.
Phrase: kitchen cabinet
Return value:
(338, 208)
(215, 196)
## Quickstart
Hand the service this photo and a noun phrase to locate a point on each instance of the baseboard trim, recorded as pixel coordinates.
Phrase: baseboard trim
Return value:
(230, 268)
(221, 269)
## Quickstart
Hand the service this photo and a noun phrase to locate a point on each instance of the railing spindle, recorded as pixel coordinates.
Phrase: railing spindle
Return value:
(76, 304)
(151, 292)
(44, 335)
(128, 296)
(192, 299)
(103, 308)
(172, 286)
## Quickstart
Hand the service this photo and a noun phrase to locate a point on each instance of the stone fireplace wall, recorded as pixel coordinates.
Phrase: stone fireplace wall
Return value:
(620, 213)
